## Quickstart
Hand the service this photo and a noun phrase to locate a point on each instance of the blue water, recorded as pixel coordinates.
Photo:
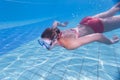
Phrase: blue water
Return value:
(22, 58)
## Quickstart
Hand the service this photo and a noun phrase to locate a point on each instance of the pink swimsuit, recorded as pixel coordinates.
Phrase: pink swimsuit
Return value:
(94, 23)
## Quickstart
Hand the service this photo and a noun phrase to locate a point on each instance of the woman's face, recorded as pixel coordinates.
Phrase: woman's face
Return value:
(50, 42)
(47, 40)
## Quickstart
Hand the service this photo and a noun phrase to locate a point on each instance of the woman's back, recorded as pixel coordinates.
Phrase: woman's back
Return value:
(77, 32)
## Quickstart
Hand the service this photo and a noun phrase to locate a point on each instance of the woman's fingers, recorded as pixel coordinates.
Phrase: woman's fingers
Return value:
(115, 39)
(65, 23)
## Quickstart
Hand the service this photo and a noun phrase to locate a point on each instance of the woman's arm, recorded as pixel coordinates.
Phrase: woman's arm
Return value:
(75, 43)
(57, 23)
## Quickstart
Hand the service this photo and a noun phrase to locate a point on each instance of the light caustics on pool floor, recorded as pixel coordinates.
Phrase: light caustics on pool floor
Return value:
(23, 59)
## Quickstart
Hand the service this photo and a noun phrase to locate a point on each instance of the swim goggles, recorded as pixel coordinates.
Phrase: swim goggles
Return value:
(45, 43)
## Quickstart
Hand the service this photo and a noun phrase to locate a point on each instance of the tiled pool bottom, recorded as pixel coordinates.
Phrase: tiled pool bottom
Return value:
(91, 62)
(22, 58)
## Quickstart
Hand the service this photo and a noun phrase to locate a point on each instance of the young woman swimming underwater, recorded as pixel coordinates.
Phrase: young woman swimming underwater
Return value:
(89, 30)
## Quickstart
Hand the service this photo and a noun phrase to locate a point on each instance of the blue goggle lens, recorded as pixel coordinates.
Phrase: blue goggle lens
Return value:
(44, 44)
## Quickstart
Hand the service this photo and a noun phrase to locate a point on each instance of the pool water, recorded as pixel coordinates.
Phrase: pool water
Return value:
(22, 58)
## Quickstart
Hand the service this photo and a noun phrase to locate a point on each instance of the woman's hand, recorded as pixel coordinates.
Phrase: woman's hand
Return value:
(57, 23)
(115, 39)
(64, 24)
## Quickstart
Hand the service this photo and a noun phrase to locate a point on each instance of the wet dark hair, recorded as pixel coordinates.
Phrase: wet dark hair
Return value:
(50, 33)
